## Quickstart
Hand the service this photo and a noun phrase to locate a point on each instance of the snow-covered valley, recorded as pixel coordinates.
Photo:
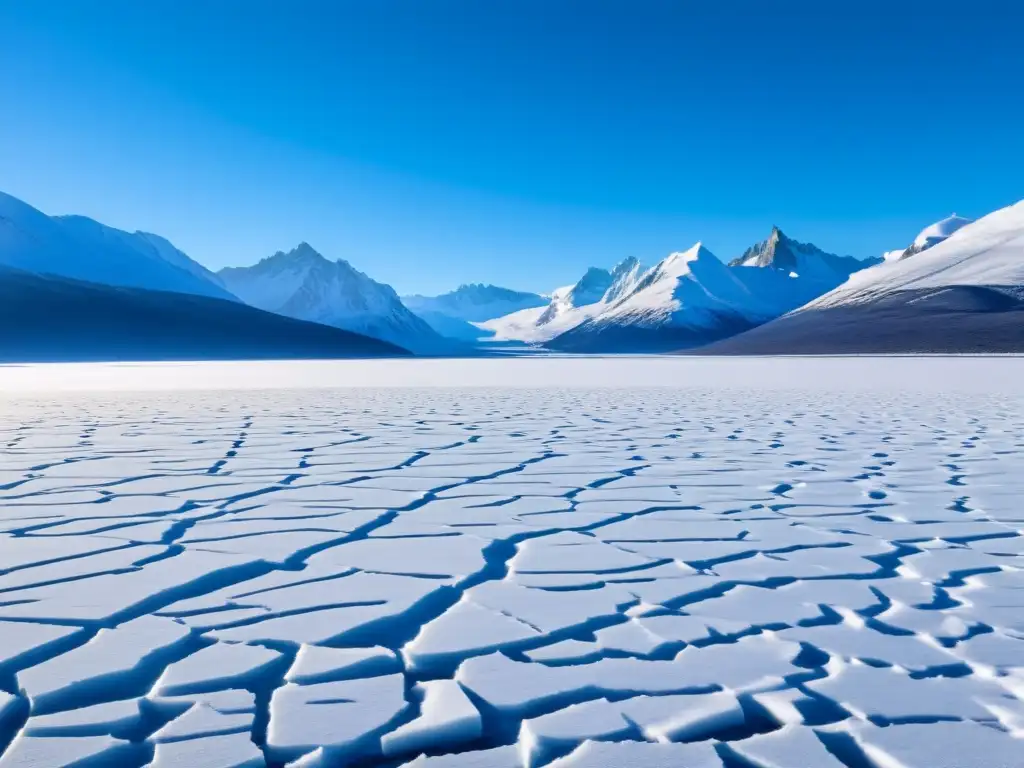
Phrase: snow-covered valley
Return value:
(569, 562)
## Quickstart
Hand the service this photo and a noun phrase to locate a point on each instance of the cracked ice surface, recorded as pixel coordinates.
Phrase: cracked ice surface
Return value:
(817, 568)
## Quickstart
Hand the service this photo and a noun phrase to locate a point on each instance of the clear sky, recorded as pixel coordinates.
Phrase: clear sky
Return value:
(434, 142)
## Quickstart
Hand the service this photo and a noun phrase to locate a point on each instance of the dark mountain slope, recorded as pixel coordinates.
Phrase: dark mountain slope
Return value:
(45, 318)
(951, 320)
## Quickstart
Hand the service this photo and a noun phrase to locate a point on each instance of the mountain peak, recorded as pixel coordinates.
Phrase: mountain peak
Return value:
(767, 253)
(304, 251)
(590, 288)
(304, 257)
(625, 276)
(483, 291)
(307, 286)
(695, 252)
(777, 237)
(780, 253)
(592, 273)
(475, 302)
(625, 265)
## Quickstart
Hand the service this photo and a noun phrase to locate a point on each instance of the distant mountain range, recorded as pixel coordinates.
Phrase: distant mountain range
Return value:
(688, 299)
(452, 314)
(77, 289)
(475, 302)
(568, 306)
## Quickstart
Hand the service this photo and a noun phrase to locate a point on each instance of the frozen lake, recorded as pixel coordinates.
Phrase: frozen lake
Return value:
(574, 562)
(985, 375)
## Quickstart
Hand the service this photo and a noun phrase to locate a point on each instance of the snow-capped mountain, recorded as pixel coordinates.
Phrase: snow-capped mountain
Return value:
(693, 298)
(787, 255)
(686, 299)
(986, 253)
(587, 290)
(475, 302)
(305, 285)
(625, 277)
(964, 293)
(784, 273)
(568, 306)
(80, 248)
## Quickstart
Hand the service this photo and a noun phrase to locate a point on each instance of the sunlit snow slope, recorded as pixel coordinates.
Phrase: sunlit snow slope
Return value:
(569, 306)
(80, 248)
(688, 296)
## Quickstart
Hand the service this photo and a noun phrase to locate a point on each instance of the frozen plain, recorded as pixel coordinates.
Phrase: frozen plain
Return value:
(581, 563)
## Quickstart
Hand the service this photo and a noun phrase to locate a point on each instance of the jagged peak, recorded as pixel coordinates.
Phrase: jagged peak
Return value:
(781, 251)
(301, 251)
(696, 251)
(674, 266)
(474, 288)
(625, 265)
(625, 276)
(592, 273)
(676, 263)
(303, 255)
(776, 236)
(590, 287)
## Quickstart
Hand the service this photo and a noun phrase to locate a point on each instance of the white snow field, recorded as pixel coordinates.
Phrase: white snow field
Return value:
(576, 563)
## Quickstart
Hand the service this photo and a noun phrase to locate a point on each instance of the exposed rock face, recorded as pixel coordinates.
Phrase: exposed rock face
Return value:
(788, 255)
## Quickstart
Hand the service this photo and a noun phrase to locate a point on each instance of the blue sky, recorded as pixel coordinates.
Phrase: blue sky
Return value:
(434, 143)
